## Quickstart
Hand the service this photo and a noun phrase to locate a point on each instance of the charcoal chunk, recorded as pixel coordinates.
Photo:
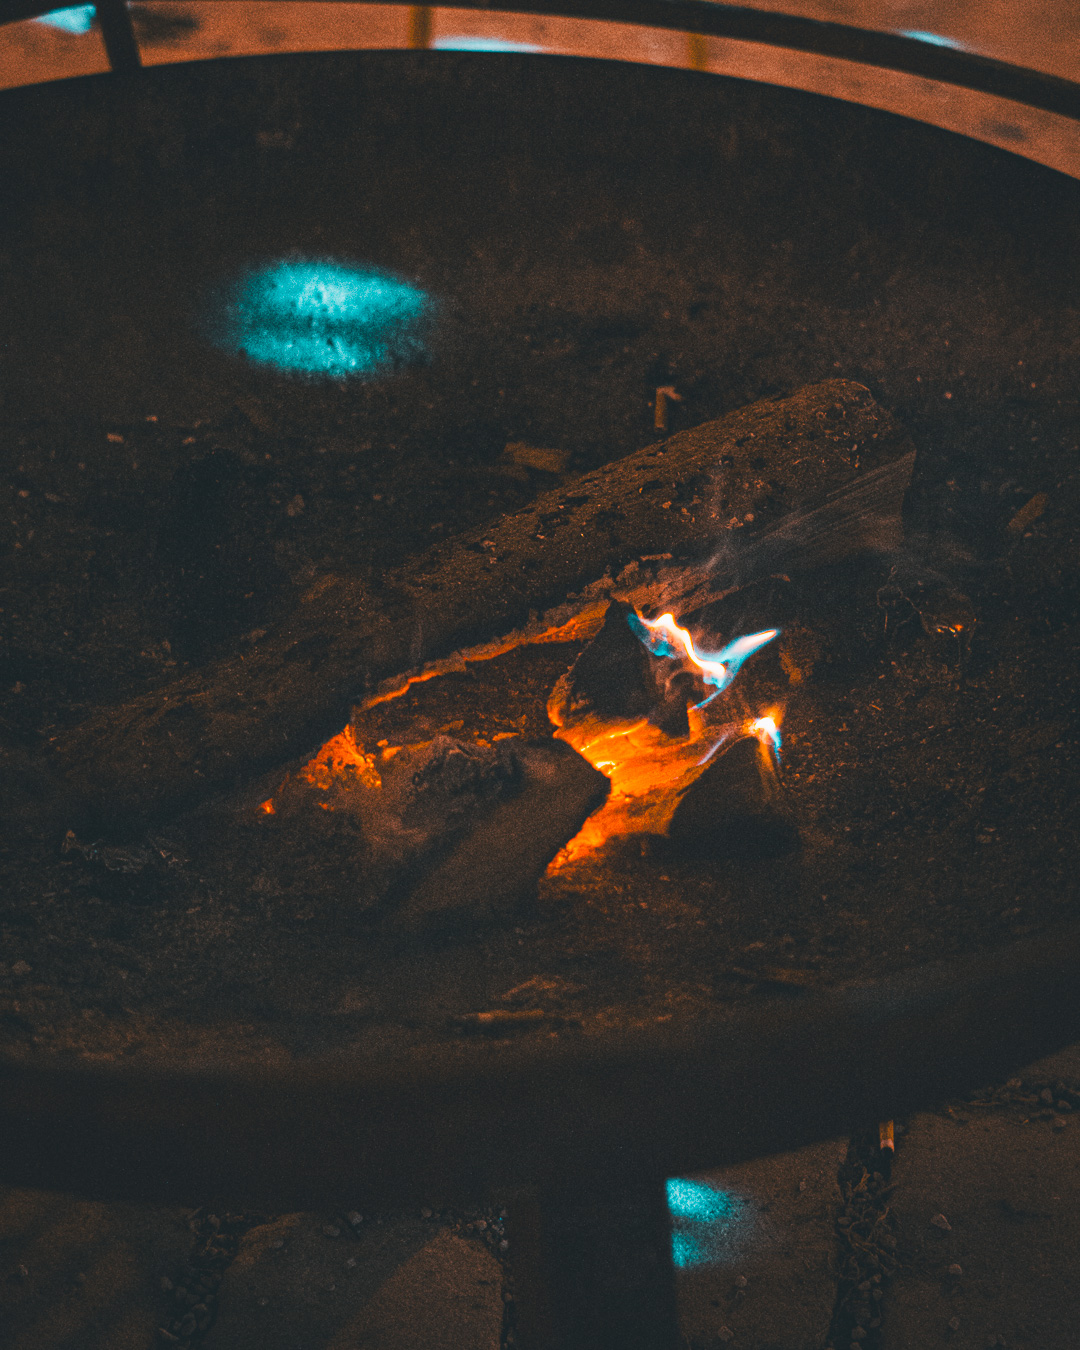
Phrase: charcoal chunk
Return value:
(615, 674)
(735, 810)
(492, 871)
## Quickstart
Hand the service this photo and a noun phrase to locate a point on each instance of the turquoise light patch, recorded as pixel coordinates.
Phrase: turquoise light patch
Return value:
(482, 44)
(708, 1226)
(76, 19)
(935, 39)
(324, 318)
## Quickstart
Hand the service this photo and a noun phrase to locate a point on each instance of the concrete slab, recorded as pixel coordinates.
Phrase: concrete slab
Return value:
(78, 1274)
(768, 1223)
(1010, 1193)
(304, 1282)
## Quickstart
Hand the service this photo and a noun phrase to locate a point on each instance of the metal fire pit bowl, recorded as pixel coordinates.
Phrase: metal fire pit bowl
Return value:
(525, 192)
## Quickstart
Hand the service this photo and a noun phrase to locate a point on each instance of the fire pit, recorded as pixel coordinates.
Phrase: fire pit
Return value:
(196, 981)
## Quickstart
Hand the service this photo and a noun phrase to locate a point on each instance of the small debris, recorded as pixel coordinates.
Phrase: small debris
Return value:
(955, 1269)
(940, 1221)
(725, 1334)
(425, 1213)
(1028, 513)
(537, 457)
(331, 1231)
(954, 1324)
(740, 1281)
(1060, 1122)
(21, 968)
(663, 394)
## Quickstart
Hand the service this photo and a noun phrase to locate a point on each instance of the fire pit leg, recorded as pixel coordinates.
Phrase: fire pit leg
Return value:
(593, 1271)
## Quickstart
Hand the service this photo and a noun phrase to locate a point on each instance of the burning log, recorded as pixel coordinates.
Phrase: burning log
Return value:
(217, 728)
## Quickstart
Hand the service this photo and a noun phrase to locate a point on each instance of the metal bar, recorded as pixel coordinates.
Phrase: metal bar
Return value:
(594, 1271)
(889, 51)
(121, 45)
(473, 1120)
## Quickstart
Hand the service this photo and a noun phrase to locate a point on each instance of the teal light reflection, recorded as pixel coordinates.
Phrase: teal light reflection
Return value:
(706, 1223)
(323, 318)
(482, 44)
(935, 39)
(76, 19)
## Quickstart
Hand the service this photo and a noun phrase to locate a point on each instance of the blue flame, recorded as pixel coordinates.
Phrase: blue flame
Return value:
(704, 1221)
(320, 317)
(716, 668)
(482, 44)
(76, 19)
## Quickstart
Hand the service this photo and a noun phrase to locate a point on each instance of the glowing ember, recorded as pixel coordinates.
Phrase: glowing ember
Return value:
(650, 770)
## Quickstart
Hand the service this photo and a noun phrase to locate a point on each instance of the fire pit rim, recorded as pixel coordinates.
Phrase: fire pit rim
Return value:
(885, 50)
(486, 1120)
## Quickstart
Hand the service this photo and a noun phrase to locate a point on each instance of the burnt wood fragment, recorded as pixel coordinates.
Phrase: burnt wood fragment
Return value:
(734, 809)
(216, 728)
(492, 872)
(614, 676)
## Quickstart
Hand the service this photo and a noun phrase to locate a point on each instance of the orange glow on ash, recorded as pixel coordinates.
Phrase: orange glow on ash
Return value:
(267, 807)
(339, 757)
(649, 772)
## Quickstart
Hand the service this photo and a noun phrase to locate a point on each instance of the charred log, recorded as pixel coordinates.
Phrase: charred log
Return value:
(216, 728)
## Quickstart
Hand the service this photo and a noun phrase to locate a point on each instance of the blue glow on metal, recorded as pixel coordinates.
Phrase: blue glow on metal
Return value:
(77, 19)
(324, 318)
(935, 39)
(482, 44)
(703, 1221)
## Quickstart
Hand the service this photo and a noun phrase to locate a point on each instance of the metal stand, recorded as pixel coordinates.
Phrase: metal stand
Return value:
(593, 1271)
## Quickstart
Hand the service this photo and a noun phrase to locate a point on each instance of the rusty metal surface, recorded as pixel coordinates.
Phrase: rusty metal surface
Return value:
(890, 51)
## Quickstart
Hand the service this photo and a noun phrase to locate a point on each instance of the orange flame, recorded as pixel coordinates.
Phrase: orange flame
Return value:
(767, 728)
